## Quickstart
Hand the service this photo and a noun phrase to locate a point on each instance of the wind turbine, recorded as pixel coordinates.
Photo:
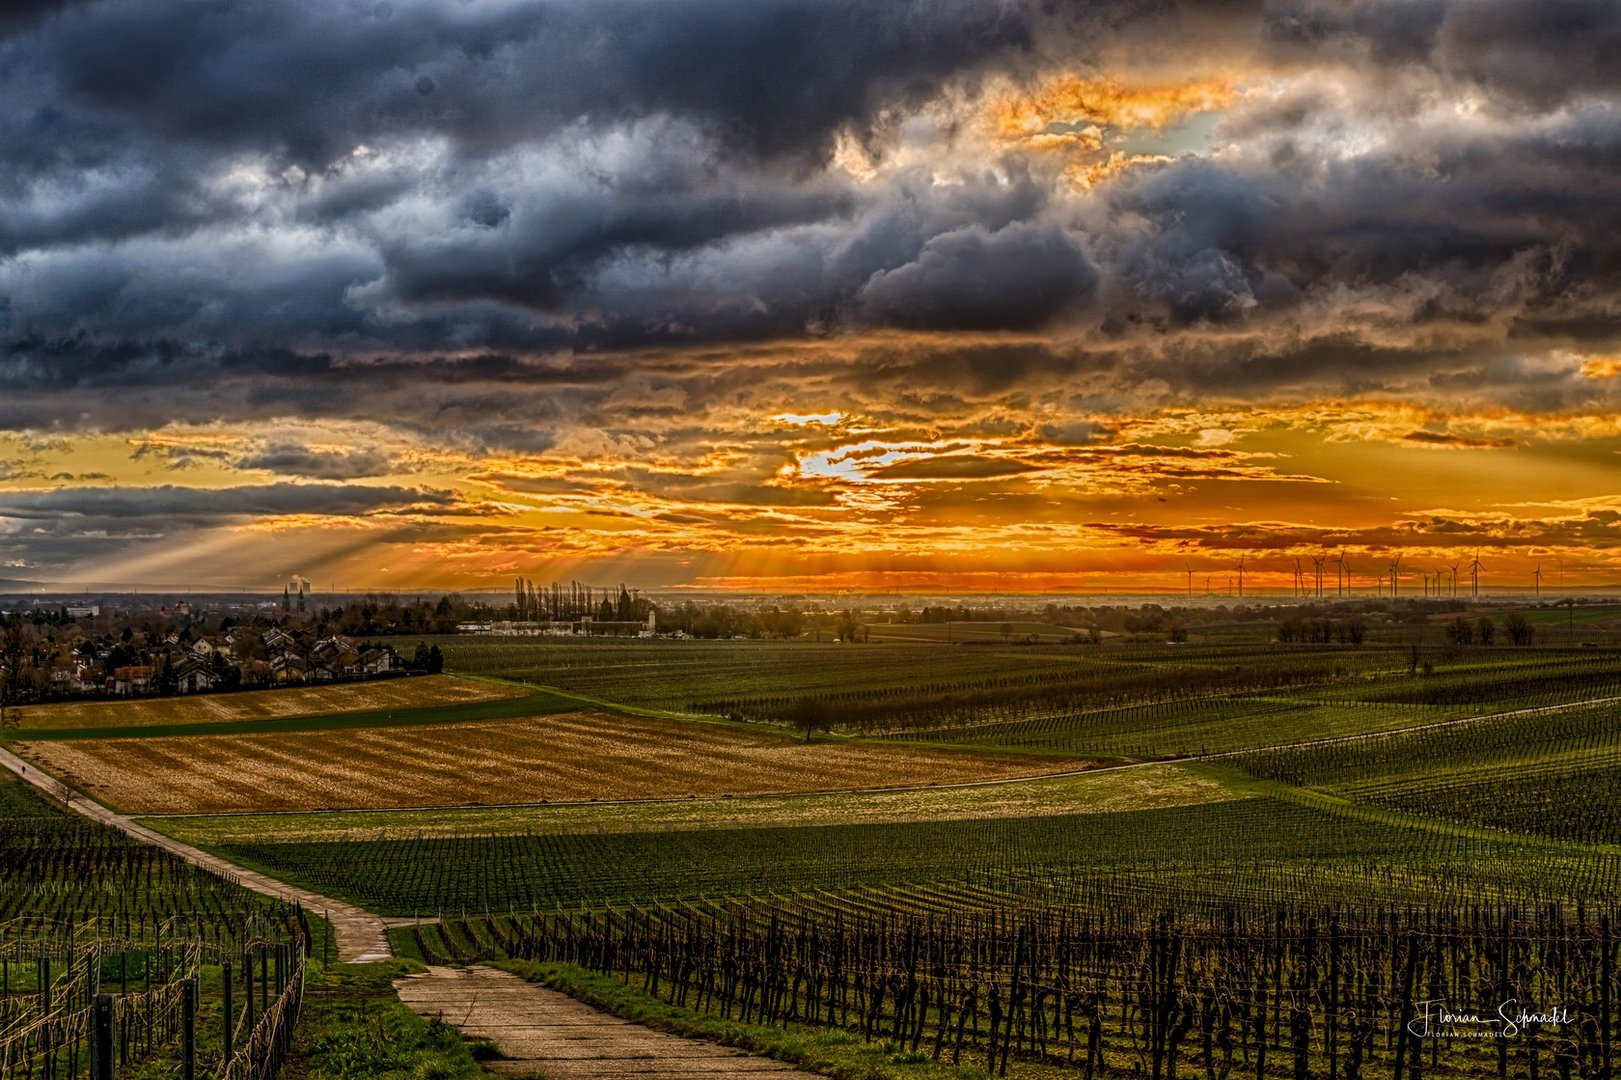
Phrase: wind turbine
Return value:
(1537, 574)
(1395, 574)
(1241, 577)
(1455, 577)
(1342, 575)
(1190, 577)
(1475, 568)
(1317, 562)
(1300, 580)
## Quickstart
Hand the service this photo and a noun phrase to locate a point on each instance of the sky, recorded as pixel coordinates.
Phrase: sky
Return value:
(802, 295)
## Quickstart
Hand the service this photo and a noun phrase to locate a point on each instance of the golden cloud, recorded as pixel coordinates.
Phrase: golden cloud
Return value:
(1070, 102)
(1082, 119)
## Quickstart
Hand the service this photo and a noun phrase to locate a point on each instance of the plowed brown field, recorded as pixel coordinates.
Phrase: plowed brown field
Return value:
(419, 692)
(564, 757)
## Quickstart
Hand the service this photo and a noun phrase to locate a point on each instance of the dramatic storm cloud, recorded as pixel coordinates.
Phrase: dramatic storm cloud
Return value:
(722, 291)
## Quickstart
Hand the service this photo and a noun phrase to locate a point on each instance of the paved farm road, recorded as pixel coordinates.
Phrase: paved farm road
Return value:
(546, 1034)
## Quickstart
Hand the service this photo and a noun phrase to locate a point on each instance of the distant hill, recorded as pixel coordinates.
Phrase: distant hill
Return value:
(8, 585)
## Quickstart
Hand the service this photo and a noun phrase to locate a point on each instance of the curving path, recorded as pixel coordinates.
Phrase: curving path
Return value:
(360, 935)
(543, 1033)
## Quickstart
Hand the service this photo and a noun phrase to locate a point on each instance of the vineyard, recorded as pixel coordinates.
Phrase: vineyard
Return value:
(1125, 700)
(112, 949)
(60, 870)
(1380, 830)
(1254, 851)
(1337, 992)
(107, 1005)
(1551, 772)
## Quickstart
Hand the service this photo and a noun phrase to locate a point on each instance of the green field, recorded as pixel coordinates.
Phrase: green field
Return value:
(1260, 847)
(530, 703)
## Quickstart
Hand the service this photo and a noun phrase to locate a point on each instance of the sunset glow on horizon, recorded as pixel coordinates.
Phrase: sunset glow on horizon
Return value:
(794, 297)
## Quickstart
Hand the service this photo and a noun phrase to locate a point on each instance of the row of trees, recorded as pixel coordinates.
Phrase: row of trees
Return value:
(576, 600)
(1483, 631)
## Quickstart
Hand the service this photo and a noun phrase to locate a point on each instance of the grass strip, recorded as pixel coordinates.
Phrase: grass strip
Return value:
(835, 1053)
(354, 1025)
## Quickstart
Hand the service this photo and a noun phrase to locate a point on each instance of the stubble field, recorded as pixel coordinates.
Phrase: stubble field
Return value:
(1098, 791)
(562, 757)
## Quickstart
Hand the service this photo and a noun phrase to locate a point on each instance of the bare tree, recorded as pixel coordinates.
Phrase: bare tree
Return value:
(16, 652)
(810, 715)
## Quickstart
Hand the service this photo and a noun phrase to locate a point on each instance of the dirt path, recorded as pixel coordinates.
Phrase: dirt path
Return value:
(360, 934)
(546, 1034)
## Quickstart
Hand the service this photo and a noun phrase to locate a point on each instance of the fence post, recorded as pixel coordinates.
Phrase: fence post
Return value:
(101, 1043)
(225, 976)
(188, 1029)
(48, 1044)
(123, 992)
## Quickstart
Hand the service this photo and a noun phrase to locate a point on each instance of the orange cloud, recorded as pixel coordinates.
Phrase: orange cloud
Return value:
(1069, 102)
(1081, 117)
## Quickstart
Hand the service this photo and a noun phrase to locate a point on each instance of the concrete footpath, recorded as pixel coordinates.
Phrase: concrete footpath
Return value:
(543, 1033)
(360, 935)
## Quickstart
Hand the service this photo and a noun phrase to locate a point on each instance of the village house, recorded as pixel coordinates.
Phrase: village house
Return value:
(134, 679)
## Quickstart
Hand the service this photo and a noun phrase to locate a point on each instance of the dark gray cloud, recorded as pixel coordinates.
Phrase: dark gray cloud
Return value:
(1543, 54)
(289, 459)
(155, 504)
(69, 527)
(246, 211)
(20, 14)
(314, 79)
(1018, 277)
